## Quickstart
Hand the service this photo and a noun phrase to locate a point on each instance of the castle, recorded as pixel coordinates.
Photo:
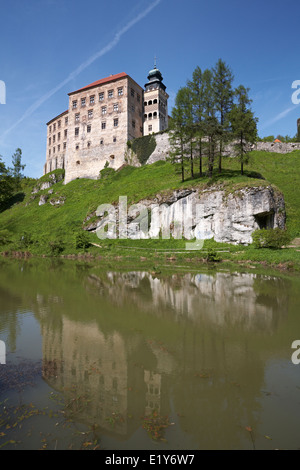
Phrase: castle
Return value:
(101, 118)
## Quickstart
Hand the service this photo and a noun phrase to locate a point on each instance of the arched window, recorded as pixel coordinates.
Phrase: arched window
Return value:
(155, 101)
(150, 116)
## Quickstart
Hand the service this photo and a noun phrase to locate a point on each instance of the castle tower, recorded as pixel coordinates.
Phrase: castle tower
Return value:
(155, 103)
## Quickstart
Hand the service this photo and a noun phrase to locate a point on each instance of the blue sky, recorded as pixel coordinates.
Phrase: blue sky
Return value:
(52, 47)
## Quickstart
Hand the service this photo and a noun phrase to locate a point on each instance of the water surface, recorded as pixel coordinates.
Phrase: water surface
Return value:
(141, 360)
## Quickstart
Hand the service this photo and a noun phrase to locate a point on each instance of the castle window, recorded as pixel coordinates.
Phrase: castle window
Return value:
(155, 115)
(53, 149)
(132, 92)
(145, 116)
(120, 91)
(66, 132)
(49, 152)
(104, 109)
(111, 93)
(59, 124)
(154, 101)
(50, 129)
(49, 140)
(150, 102)
(65, 145)
(92, 99)
(103, 125)
(150, 128)
(58, 148)
(77, 117)
(74, 104)
(76, 130)
(133, 124)
(116, 122)
(101, 96)
(77, 147)
(133, 108)
(101, 142)
(150, 116)
(66, 121)
(116, 107)
(78, 162)
(89, 128)
(138, 98)
(114, 139)
(53, 138)
(145, 103)
(58, 136)
(90, 114)
(82, 101)
(89, 144)
(54, 127)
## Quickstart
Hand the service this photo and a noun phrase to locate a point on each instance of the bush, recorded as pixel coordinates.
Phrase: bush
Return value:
(82, 241)
(107, 172)
(212, 256)
(270, 238)
(5, 237)
(56, 246)
(26, 240)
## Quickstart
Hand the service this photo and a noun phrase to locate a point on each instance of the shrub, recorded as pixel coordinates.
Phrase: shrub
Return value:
(270, 238)
(56, 246)
(82, 241)
(5, 237)
(26, 240)
(106, 172)
(212, 256)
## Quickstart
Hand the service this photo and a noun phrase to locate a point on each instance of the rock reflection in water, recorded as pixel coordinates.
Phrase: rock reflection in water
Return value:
(124, 373)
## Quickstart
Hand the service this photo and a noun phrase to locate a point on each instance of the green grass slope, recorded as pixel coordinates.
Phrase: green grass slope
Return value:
(81, 197)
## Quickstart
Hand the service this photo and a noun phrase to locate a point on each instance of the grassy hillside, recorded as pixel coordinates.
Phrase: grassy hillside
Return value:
(81, 197)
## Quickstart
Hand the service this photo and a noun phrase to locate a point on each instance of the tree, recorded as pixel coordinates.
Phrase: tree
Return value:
(223, 100)
(243, 125)
(18, 168)
(181, 127)
(196, 86)
(210, 126)
(6, 184)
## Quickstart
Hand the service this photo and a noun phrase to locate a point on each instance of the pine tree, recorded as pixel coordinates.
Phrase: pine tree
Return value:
(223, 98)
(243, 125)
(196, 87)
(182, 130)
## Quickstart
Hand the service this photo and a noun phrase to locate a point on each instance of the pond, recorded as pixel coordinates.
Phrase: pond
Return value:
(112, 359)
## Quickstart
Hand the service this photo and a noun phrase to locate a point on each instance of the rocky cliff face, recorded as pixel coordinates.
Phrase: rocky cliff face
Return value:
(215, 212)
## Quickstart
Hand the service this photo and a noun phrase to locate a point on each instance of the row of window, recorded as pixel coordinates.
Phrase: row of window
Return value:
(101, 96)
(103, 126)
(77, 146)
(58, 148)
(53, 126)
(103, 111)
(154, 116)
(53, 138)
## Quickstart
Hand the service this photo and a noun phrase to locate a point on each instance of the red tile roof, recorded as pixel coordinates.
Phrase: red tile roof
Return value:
(56, 117)
(102, 81)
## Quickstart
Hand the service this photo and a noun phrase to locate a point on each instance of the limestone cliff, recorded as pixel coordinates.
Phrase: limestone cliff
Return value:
(215, 212)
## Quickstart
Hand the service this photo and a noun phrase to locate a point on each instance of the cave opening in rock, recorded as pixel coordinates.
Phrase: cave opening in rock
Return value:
(265, 220)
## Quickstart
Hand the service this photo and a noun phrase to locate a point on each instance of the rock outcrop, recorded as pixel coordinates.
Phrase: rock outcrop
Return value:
(229, 216)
